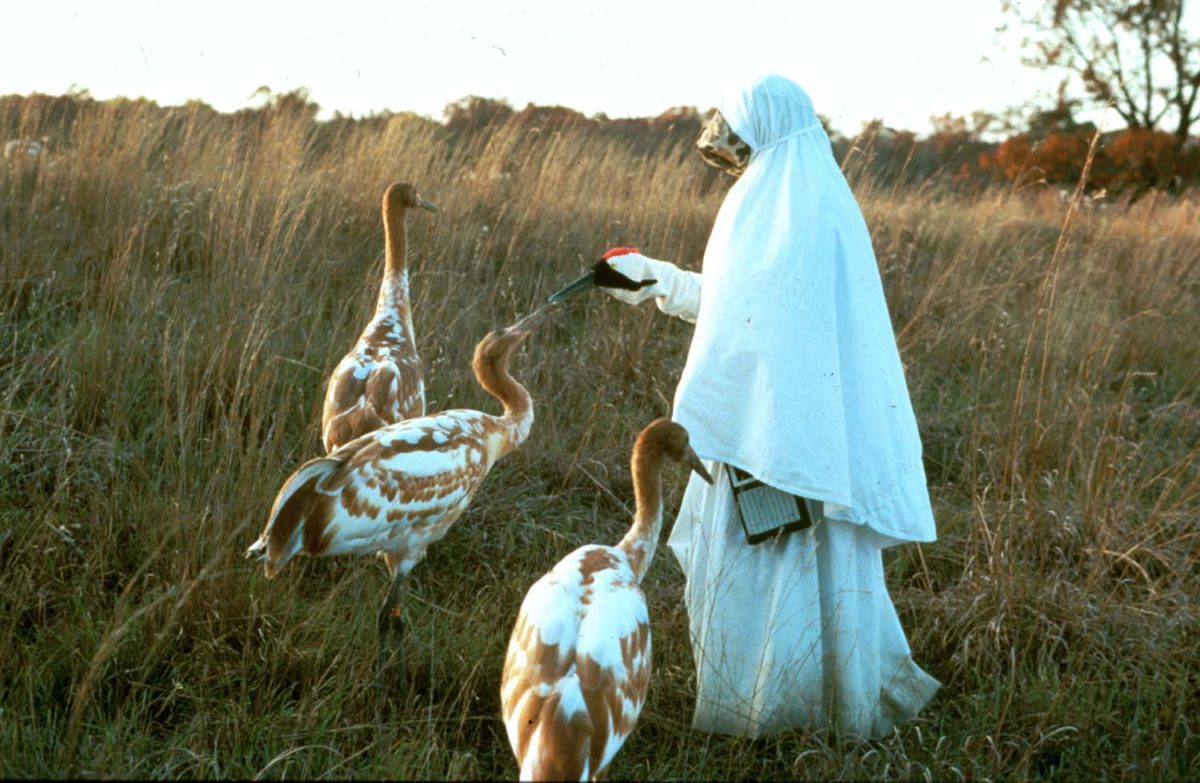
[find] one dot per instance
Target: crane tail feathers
(282, 537)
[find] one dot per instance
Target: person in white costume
(793, 376)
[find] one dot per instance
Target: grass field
(173, 297)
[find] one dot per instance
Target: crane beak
(429, 205)
(585, 283)
(534, 319)
(693, 462)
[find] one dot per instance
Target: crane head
(603, 274)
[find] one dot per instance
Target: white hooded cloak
(793, 375)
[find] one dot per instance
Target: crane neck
(394, 290)
(641, 542)
(517, 418)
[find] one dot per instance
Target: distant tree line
(1126, 163)
(1051, 150)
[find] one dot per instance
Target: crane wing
(397, 489)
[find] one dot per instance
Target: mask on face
(721, 147)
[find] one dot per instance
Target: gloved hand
(676, 291)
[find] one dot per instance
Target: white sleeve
(683, 298)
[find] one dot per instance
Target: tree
(473, 113)
(293, 103)
(1059, 118)
(1135, 161)
(1134, 55)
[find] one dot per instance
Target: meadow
(175, 290)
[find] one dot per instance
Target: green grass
(176, 288)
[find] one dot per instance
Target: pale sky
(902, 61)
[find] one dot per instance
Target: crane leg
(391, 674)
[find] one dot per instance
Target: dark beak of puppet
(601, 275)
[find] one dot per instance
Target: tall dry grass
(173, 295)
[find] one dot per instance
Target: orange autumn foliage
(1058, 158)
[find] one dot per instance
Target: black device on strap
(764, 511)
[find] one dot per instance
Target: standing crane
(380, 382)
(398, 489)
(578, 662)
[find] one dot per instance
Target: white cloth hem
(797, 632)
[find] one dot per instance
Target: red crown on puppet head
(618, 251)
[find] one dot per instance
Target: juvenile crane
(398, 489)
(380, 382)
(578, 662)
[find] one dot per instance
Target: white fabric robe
(797, 632)
(793, 375)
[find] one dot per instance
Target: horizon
(902, 66)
